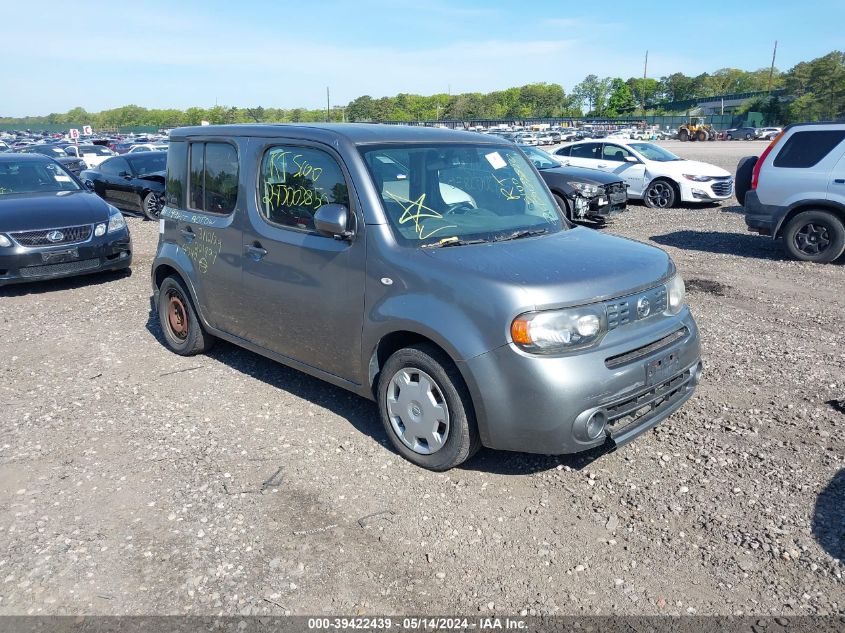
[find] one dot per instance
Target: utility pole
(772, 68)
(328, 107)
(645, 74)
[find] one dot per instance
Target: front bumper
(538, 404)
(19, 264)
(710, 191)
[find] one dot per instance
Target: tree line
(811, 90)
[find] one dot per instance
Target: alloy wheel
(812, 238)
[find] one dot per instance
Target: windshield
(654, 152)
(541, 159)
(437, 194)
(149, 162)
(41, 176)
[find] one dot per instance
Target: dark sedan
(132, 182)
(583, 194)
(71, 163)
(748, 133)
(52, 226)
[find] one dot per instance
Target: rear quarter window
(177, 163)
(807, 149)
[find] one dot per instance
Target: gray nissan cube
(426, 269)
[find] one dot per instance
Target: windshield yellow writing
(510, 188)
(414, 211)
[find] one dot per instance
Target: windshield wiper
(452, 241)
(520, 234)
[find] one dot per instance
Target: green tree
(621, 100)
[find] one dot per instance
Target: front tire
(660, 194)
(815, 236)
(426, 409)
(183, 332)
(729, 137)
(151, 206)
(748, 136)
(563, 205)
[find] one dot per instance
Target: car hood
(692, 167)
(32, 211)
(571, 267)
(582, 174)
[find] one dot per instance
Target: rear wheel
(729, 137)
(182, 330)
(660, 194)
(426, 409)
(815, 236)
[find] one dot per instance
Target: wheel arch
(170, 268)
(808, 205)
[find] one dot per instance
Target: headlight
(698, 178)
(676, 294)
(116, 221)
(100, 229)
(5, 241)
(558, 331)
(585, 189)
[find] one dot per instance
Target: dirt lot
(136, 481)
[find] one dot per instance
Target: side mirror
(332, 219)
(89, 185)
(631, 159)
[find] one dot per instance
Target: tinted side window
(114, 166)
(586, 150)
(295, 182)
(563, 151)
(213, 177)
(177, 162)
(616, 153)
(805, 149)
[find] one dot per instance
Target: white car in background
(148, 147)
(652, 173)
(91, 155)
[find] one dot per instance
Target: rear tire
(815, 236)
(183, 332)
(426, 408)
(728, 137)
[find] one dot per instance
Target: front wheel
(426, 409)
(748, 137)
(563, 205)
(151, 206)
(815, 236)
(183, 332)
(660, 194)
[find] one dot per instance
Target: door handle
(188, 234)
(256, 252)
(839, 181)
(601, 165)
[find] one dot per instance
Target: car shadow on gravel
(723, 244)
(65, 283)
(829, 517)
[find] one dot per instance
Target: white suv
(796, 190)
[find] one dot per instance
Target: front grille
(647, 403)
(624, 310)
(641, 352)
(70, 235)
(723, 187)
(60, 269)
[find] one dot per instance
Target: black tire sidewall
(742, 182)
(563, 205)
(834, 225)
(194, 342)
(462, 441)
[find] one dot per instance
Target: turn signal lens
(519, 332)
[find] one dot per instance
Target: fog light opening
(697, 373)
(596, 424)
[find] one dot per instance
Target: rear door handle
(188, 234)
(839, 181)
(256, 252)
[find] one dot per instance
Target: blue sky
(180, 53)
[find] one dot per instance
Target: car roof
(18, 157)
(355, 133)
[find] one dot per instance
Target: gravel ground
(134, 481)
